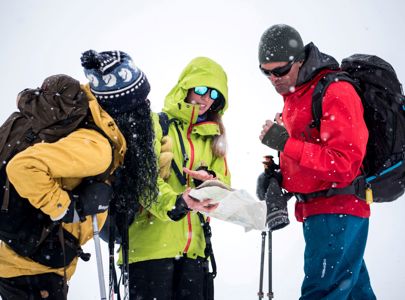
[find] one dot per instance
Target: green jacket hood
(201, 71)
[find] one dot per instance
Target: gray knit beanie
(280, 43)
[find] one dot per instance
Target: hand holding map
(235, 206)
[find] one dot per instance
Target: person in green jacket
(166, 240)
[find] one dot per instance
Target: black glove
(179, 210)
(271, 169)
(115, 223)
(198, 182)
(262, 185)
(276, 137)
(276, 201)
(89, 198)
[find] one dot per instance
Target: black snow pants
(34, 287)
(168, 279)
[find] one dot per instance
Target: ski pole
(125, 252)
(113, 282)
(270, 293)
(260, 293)
(96, 236)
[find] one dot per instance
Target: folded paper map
(235, 206)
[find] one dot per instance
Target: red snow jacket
(315, 160)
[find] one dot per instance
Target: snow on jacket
(318, 160)
(39, 172)
(153, 235)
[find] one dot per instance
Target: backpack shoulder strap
(165, 122)
(209, 253)
(319, 93)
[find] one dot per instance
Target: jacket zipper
(191, 160)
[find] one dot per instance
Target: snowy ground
(41, 38)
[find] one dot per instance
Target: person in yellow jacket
(46, 173)
(166, 240)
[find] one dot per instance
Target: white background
(42, 38)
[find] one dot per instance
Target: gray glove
(276, 201)
(271, 169)
(262, 185)
(88, 199)
(276, 137)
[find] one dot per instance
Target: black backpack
(46, 114)
(377, 84)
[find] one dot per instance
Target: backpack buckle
(300, 197)
(30, 136)
(359, 184)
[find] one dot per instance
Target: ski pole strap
(208, 252)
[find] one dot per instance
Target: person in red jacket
(313, 161)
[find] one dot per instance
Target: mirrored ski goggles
(202, 90)
(280, 71)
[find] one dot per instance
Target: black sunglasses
(280, 71)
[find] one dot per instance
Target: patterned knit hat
(115, 81)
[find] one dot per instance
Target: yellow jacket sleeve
(37, 172)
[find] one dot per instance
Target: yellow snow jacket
(43, 172)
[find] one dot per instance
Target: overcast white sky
(42, 38)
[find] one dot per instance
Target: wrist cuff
(180, 209)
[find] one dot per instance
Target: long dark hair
(137, 178)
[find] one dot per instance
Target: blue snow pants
(333, 260)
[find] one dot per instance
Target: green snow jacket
(153, 235)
